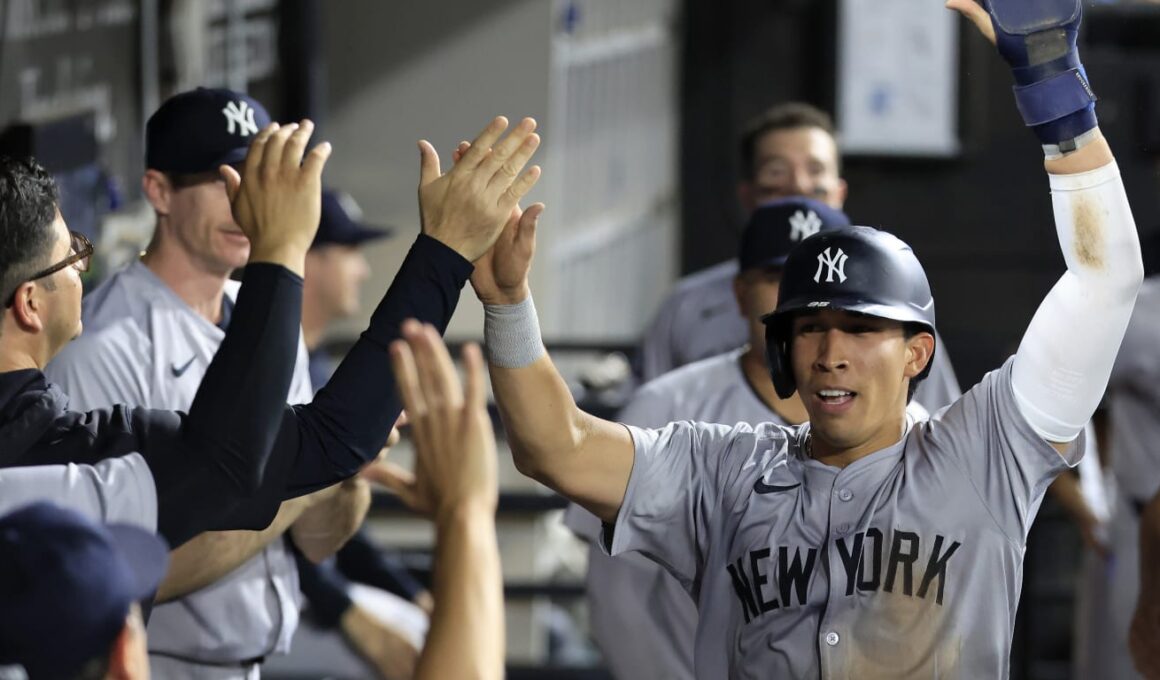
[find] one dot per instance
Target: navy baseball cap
(199, 130)
(66, 584)
(341, 222)
(774, 228)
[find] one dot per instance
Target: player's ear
(157, 189)
(919, 350)
(27, 307)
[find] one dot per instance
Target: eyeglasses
(81, 253)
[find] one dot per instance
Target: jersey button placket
(832, 639)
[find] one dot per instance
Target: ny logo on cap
(835, 264)
(240, 117)
(804, 226)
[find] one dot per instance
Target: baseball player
(789, 150)
(862, 543)
(642, 619)
(240, 443)
(233, 423)
(170, 309)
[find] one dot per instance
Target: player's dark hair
(28, 201)
(780, 117)
(909, 330)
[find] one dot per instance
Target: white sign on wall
(898, 78)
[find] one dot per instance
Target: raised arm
(579, 455)
(344, 428)
(456, 483)
(1066, 356)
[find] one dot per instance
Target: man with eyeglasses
(233, 597)
(130, 461)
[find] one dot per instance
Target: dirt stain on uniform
(1088, 218)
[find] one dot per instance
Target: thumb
(528, 223)
(428, 163)
(395, 479)
(233, 181)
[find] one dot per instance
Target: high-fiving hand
(455, 461)
(277, 199)
(467, 207)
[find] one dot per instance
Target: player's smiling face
(852, 374)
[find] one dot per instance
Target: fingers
(296, 145)
(232, 179)
(510, 155)
(482, 144)
(437, 376)
(528, 223)
(407, 376)
(977, 15)
(428, 163)
(392, 439)
(520, 187)
(316, 160)
(460, 149)
(395, 479)
(276, 146)
(475, 396)
(257, 150)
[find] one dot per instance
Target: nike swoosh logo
(922, 308)
(762, 488)
(179, 371)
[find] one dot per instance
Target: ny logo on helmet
(240, 116)
(804, 226)
(835, 264)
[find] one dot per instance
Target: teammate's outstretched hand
(455, 461)
(467, 207)
(276, 200)
(501, 275)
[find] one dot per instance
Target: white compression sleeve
(1065, 359)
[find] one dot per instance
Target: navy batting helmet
(854, 269)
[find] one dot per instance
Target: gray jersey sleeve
(118, 490)
(673, 494)
(1008, 463)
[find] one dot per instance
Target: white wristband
(511, 334)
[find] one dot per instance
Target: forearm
(222, 448)
(207, 558)
(466, 638)
(554, 442)
(351, 418)
(362, 561)
(1066, 357)
(326, 526)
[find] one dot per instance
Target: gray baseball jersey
(144, 346)
(904, 564)
(700, 319)
(641, 617)
(116, 490)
